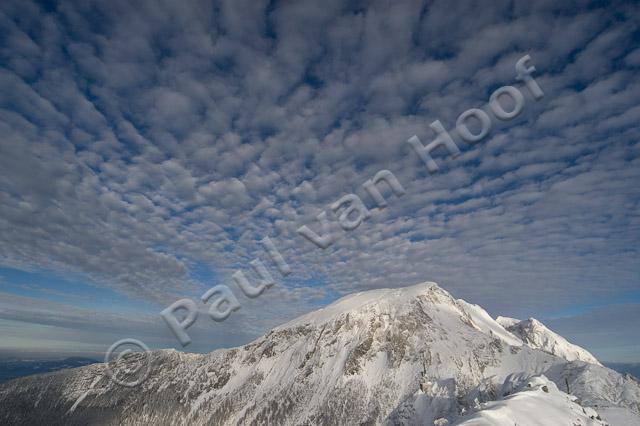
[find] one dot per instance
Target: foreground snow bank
(537, 402)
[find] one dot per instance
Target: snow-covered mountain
(411, 356)
(538, 336)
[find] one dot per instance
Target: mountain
(13, 368)
(538, 336)
(625, 368)
(411, 356)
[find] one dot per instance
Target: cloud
(142, 139)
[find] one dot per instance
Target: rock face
(404, 356)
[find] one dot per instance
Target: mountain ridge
(392, 356)
(536, 335)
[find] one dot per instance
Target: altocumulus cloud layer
(144, 141)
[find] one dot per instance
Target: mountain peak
(412, 355)
(384, 300)
(538, 336)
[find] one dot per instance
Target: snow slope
(536, 335)
(537, 403)
(410, 356)
(612, 393)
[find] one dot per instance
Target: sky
(147, 147)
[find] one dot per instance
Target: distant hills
(13, 368)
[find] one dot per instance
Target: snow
(84, 395)
(597, 385)
(487, 325)
(536, 335)
(507, 322)
(373, 300)
(538, 403)
(618, 416)
(404, 356)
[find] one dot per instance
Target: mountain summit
(537, 335)
(409, 356)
